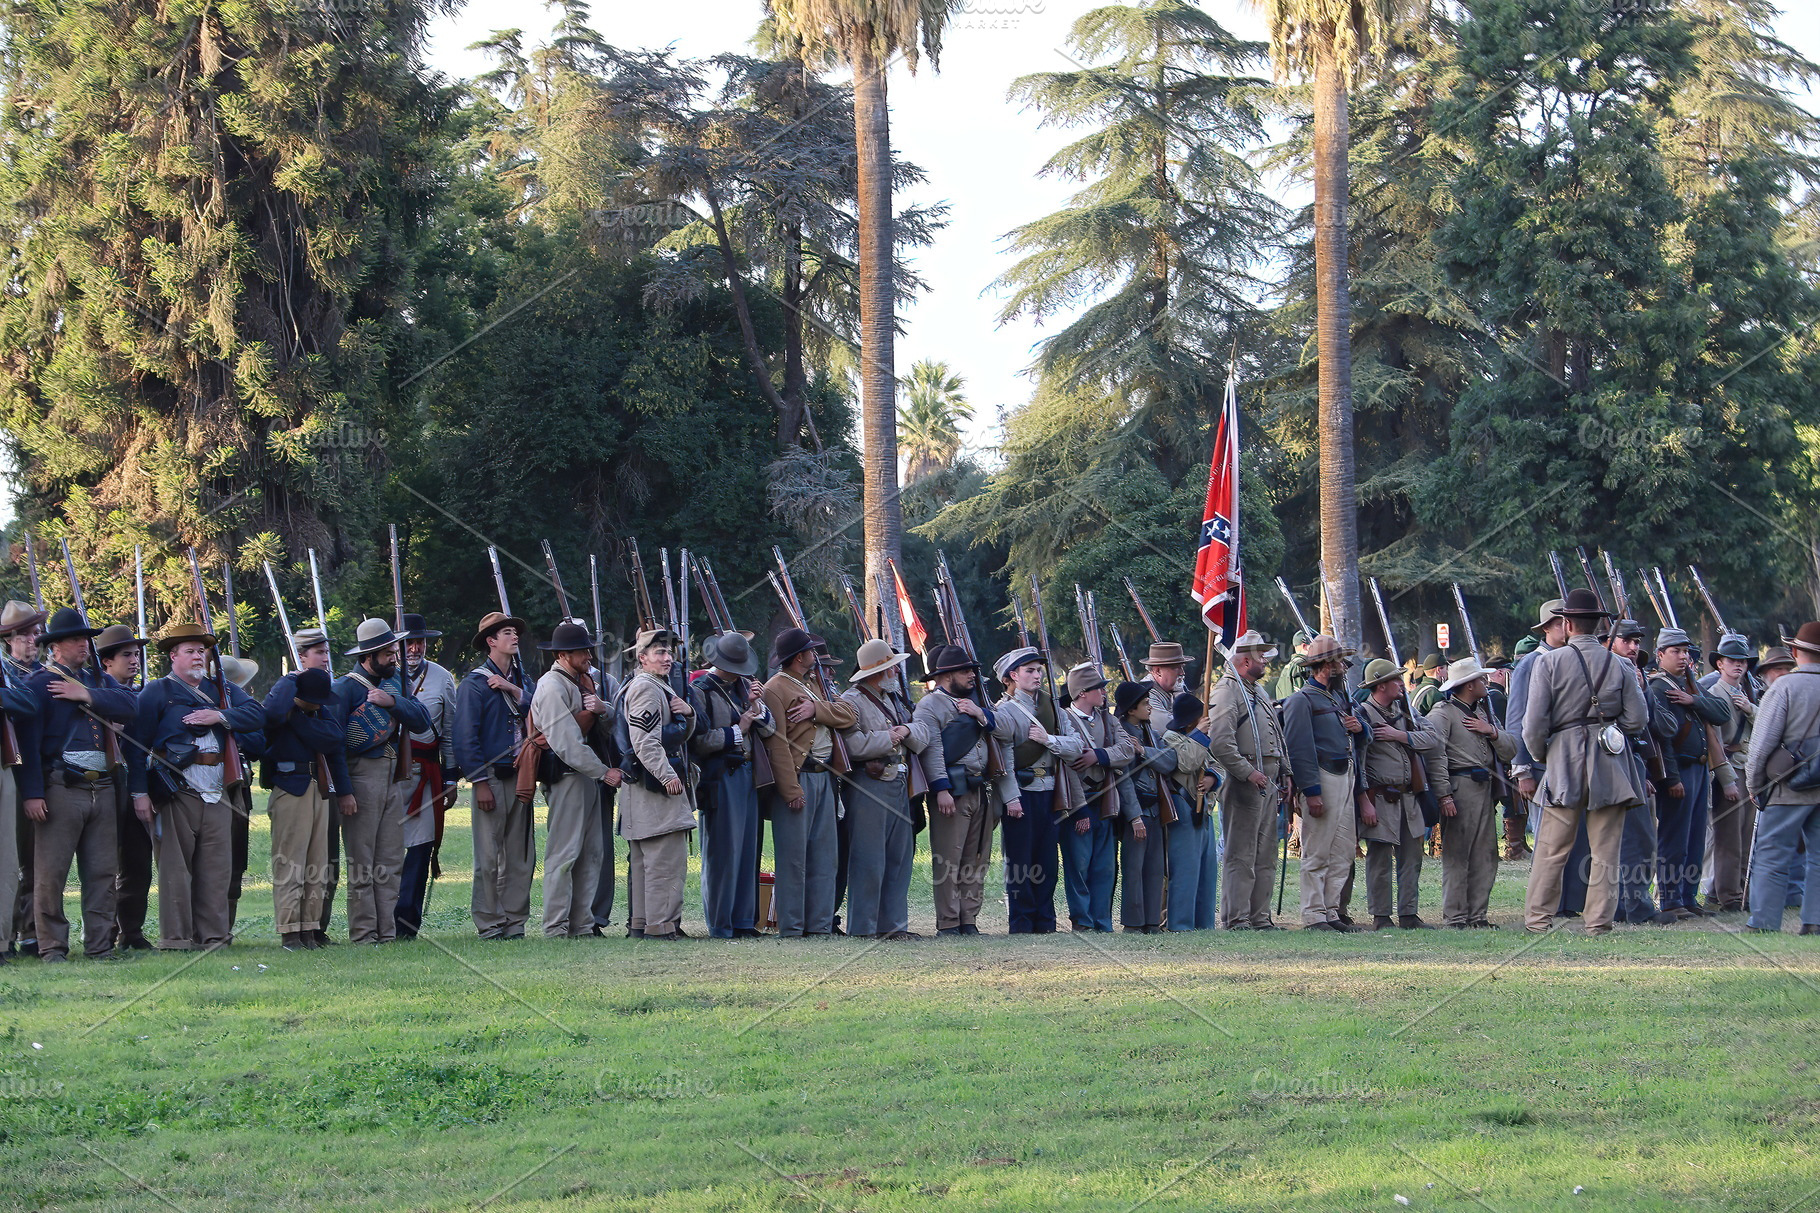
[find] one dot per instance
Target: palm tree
(866, 35)
(1331, 41)
(929, 422)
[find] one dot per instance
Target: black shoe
(1482, 925)
(1809, 928)
(1704, 911)
(54, 958)
(1381, 922)
(1413, 922)
(1458, 926)
(1269, 926)
(746, 933)
(837, 931)
(293, 941)
(1348, 928)
(596, 932)
(1346, 921)
(1664, 918)
(1238, 926)
(968, 928)
(1569, 914)
(137, 943)
(635, 932)
(28, 947)
(899, 936)
(1321, 926)
(322, 939)
(949, 931)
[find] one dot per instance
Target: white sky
(980, 152)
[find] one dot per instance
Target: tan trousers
(1469, 855)
(505, 856)
(300, 858)
(655, 871)
(1733, 826)
(1554, 839)
(1249, 817)
(1329, 843)
(79, 826)
(571, 864)
(373, 839)
(960, 850)
(9, 852)
(195, 866)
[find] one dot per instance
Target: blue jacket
(19, 702)
(159, 728)
(1314, 736)
(295, 737)
(485, 727)
(375, 721)
(58, 719)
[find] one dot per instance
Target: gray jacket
(1561, 727)
(1787, 716)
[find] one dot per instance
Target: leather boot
(1516, 845)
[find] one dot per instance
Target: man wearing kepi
(1042, 741)
(882, 743)
(1784, 740)
(1583, 702)
(179, 770)
(1390, 819)
(804, 799)
(307, 769)
(67, 791)
(492, 706)
(568, 713)
(733, 722)
(1679, 718)
(1462, 772)
(655, 814)
(954, 762)
(1090, 868)
(1326, 743)
(1734, 814)
(380, 717)
(432, 772)
(1246, 740)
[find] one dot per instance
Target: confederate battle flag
(1217, 585)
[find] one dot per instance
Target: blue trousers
(1090, 870)
(1681, 837)
(1774, 864)
(1032, 862)
(1637, 866)
(1194, 871)
(413, 887)
(1573, 876)
(729, 852)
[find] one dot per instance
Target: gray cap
(1669, 637)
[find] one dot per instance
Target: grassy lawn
(1654, 1069)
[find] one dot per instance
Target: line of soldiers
(1099, 795)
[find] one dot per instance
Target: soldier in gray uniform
(732, 724)
(1390, 820)
(882, 743)
(1462, 770)
(1246, 740)
(1326, 743)
(1734, 813)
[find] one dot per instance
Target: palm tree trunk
(1333, 335)
(877, 321)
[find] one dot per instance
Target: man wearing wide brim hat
(1788, 719)
(66, 787)
(19, 625)
(1734, 814)
(1680, 715)
(1775, 662)
(380, 715)
(959, 730)
(1044, 743)
(569, 720)
(122, 656)
(806, 767)
(1246, 740)
(492, 706)
(433, 775)
(728, 745)
(882, 743)
(1583, 703)
(1462, 771)
(1326, 743)
(1394, 828)
(1166, 670)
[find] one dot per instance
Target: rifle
(1090, 635)
(31, 564)
(284, 621)
(918, 782)
(1715, 748)
(232, 773)
(322, 615)
(562, 598)
(641, 591)
(1390, 640)
(1655, 603)
(1320, 567)
(1165, 803)
(1592, 583)
(793, 607)
(1620, 599)
(682, 609)
(600, 642)
(1142, 613)
(108, 731)
(1554, 563)
(1472, 641)
(227, 593)
(1706, 596)
(505, 608)
(139, 594)
(1072, 790)
(405, 765)
(1294, 608)
(663, 561)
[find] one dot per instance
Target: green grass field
(1654, 1069)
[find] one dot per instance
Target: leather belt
(207, 760)
(814, 766)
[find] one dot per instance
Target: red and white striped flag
(1218, 586)
(914, 631)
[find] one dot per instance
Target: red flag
(913, 627)
(1218, 586)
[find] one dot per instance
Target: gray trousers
(605, 881)
(880, 856)
(195, 866)
(805, 850)
(374, 841)
(1469, 855)
(656, 869)
(505, 855)
(1249, 816)
(1143, 869)
(1405, 856)
(571, 862)
(730, 836)
(10, 814)
(79, 825)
